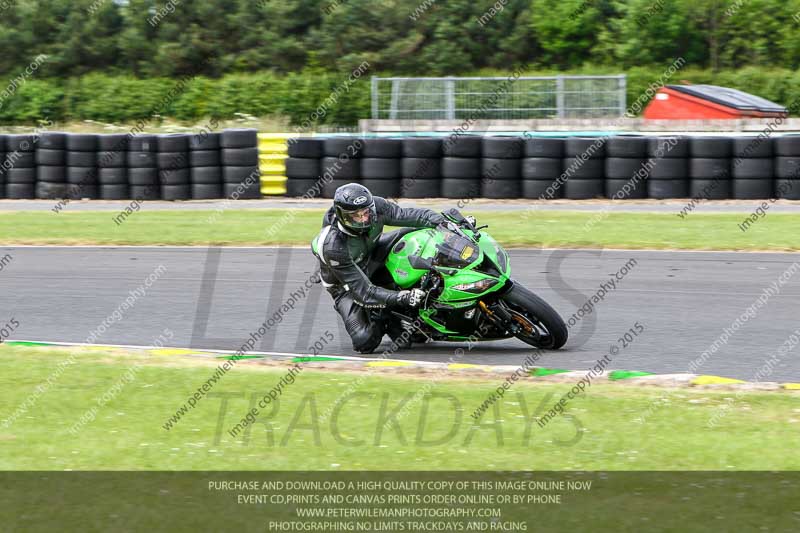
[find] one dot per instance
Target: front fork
(499, 315)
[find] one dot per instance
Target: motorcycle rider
(352, 247)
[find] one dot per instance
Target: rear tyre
(543, 327)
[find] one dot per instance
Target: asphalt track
(214, 298)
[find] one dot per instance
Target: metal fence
(526, 97)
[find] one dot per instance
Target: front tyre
(541, 325)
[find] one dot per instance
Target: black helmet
(355, 208)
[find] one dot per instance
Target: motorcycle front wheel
(541, 325)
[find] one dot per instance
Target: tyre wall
(616, 167)
(208, 165)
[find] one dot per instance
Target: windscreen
(456, 252)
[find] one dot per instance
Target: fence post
(450, 99)
(560, 96)
(395, 98)
(623, 95)
(374, 92)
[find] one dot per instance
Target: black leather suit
(348, 261)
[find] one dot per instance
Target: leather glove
(411, 298)
(450, 225)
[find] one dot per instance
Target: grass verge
(512, 228)
(126, 428)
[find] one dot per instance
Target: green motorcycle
(471, 295)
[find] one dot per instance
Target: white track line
(215, 350)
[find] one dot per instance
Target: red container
(688, 102)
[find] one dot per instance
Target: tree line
(148, 38)
(110, 59)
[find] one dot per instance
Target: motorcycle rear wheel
(542, 326)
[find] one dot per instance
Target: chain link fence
(527, 97)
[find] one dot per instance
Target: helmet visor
(361, 218)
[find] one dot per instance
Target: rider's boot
(399, 333)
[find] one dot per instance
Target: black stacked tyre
(710, 168)
(787, 167)
(205, 166)
(51, 170)
(112, 171)
(142, 160)
(668, 167)
(381, 166)
(461, 166)
(421, 167)
(541, 167)
(303, 168)
(501, 167)
(341, 163)
(3, 168)
(584, 167)
(20, 167)
(173, 166)
(241, 177)
(81, 162)
(752, 168)
(626, 167)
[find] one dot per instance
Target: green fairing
(465, 276)
(423, 244)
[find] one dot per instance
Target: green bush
(307, 99)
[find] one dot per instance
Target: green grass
(758, 433)
(281, 226)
